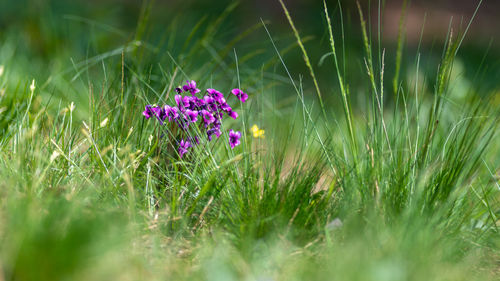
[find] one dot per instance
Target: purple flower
(218, 96)
(179, 101)
(208, 100)
(240, 95)
(192, 115)
(189, 108)
(189, 102)
(207, 117)
(234, 138)
(148, 112)
(233, 114)
(212, 107)
(213, 131)
(191, 87)
(225, 107)
(183, 147)
(161, 115)
(217, 123)
(156, 111)
(171, 112)
(198, 102)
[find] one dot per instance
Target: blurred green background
(73, 47)
(80, 29)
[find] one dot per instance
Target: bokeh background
(80, 29)
(53, 223)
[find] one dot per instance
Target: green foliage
(400, 189)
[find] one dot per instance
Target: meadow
(157, 141)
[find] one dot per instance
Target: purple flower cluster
(189, 109)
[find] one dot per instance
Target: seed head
(32, 86)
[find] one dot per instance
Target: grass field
(371, 160)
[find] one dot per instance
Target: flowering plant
(207, 112)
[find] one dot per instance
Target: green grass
(399, 188)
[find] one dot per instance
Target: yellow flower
(256, 132)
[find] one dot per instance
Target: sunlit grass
(399, 188)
